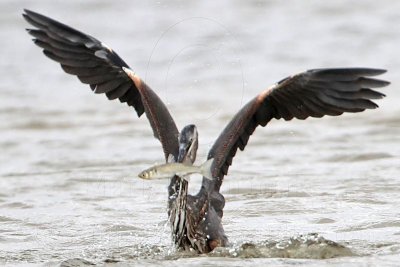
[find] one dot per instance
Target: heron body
(196, 219)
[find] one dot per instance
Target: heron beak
(184, 149)
(188, 141)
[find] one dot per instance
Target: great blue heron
(196, 219)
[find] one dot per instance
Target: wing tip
(31, 17)
(26, 17)
(29, 13)
(380, 71)
(385, 83)
(373, 71)
(373, 105)
(362, 71)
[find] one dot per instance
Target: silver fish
(182, 170)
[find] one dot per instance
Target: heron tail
(206, 169)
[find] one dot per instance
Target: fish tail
(206, 168)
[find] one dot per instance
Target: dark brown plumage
(196, 220)
(314, 93)
(96, 64)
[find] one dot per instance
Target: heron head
(188, 144)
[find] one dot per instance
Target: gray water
(320, 192)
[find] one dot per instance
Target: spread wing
(96, 64)
(314, 93)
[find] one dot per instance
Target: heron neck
(177, 204)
